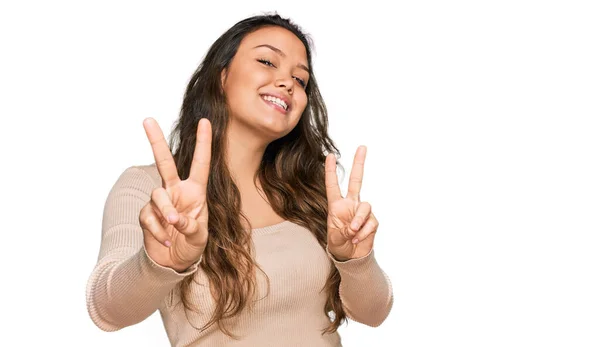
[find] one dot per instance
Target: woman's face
(264, 83)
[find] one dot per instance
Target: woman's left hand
(351, 226)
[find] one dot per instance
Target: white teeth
(276, 101)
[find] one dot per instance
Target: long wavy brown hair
(291, 174)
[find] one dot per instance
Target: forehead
(278, 37)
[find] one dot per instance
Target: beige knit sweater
(127, 286)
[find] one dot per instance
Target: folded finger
(361, 215)
(190, 227)
(186, 225)
(151, 224)
(369, 228)
(161, 199)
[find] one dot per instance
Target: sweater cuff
(164, 272)
(353, 265)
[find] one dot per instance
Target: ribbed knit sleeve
(365, 290)
(126, 285)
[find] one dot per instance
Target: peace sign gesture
(351, 226)
(175, 220)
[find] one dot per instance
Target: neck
(244, 155)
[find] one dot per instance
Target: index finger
(331, 180)
(162, 153)
(356, 175)
(200, 167)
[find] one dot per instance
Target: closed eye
(301, 81)
(268, 63)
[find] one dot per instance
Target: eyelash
(267, 62)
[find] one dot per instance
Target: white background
(481, 121)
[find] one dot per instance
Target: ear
(223, 78)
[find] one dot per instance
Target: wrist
(185, 267)
(181, 269)
(337, 257)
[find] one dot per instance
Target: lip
(280, 96)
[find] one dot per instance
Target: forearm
(365, 290)
(124, 292)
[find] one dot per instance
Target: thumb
(193, 231)
(337, 238)
(185, 225)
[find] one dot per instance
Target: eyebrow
(280, 52)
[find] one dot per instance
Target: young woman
(238, 233)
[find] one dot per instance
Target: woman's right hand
(175, 220)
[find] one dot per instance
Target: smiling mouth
(277, 102)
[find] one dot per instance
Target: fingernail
(355, 241)
(172, 218)
(168, 243)
(355, 226)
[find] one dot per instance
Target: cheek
(246, 80)
(301, 101)
(255, 78)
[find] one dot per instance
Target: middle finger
(200, 167)
(162, 154)
(356, 175)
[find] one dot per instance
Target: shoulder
(142, 177)
(151, 171)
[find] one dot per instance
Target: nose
(286, 83)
